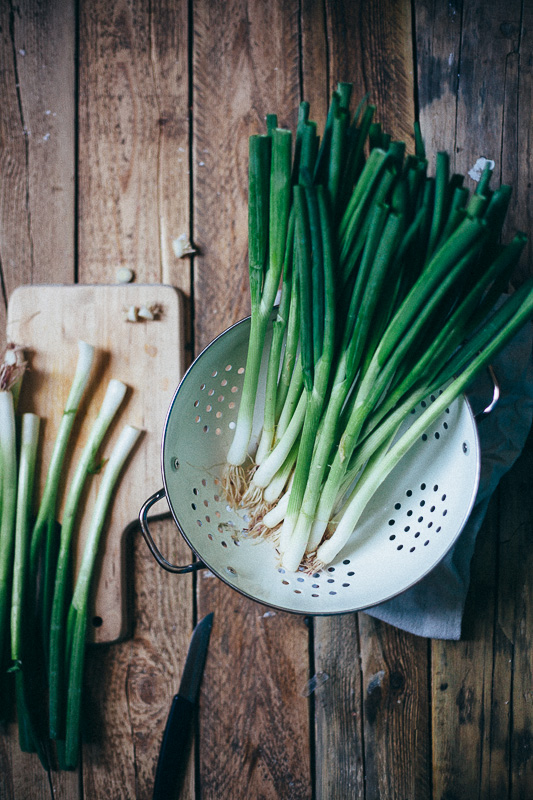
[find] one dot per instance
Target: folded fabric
(434, 607)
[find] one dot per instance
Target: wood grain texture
(338, 709)
(517, 145)
(513, 668)
(169, 59)
(472, 109)
(438, 53)
(37, 143)
(245, 67)
(396, 721)
(462, 685)
(119, 144)
(482, 82)
(253, 730)
(316, 81)
(126, 712)
(370, 44)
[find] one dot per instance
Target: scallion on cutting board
(391, 277)
(45, 536)
(113, 398)
(76, 629)
(12, 369)
(44, 675)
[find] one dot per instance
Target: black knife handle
(173, 755)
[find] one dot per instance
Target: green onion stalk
(522, 305)
(22, 645)
(316, 265)
(76, 633)
(442, 348)
(44, 542)
(113, 398)
(412, 267)
(268, 216)
(387, 229)
(11, 371)
(291, 399)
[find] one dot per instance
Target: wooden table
(124, 125)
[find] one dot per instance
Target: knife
(173, 755)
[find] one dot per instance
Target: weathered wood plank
(316, 82)
(133, 201)
(37, 222)
(119, 144)
(461, 688)
(254, 730)
(395, 697)
(129, 686)
(482, 82)
(513, 670)
(254, 735)
(245, 66)
(169, 58)
(370, 44)
(37, 143)
(338, 709)
(517, 145)
(470, 105)
(438, 52)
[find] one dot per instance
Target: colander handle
(148, 538)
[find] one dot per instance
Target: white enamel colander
(409, 526)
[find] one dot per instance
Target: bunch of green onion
(389, 281)
(43, 610)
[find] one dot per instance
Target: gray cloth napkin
(434, 607)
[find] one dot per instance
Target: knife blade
(173, 755)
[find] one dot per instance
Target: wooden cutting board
(48, 320)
